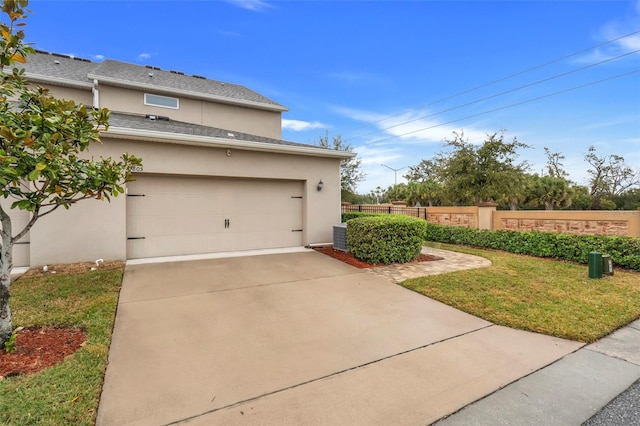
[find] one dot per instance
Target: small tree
(41, 144)
(487, 172)
(350, 173)
(610, 176)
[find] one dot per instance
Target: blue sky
(393, 78)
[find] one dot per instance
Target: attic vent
(148, 66)
(41, 51)
(176, 72)
(57, 62)
(199, 76)
(231, 135)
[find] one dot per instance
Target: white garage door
(169, 215)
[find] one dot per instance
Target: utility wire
(544, 80)
(499, 80)
(508, 106)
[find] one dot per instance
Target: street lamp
(395, 172)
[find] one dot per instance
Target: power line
(498, 80)
(544, 80)
(509, 106)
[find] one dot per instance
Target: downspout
(96, 94)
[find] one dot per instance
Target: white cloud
(300, 126)
(98, 57)
(145, 55)
(253, 5)
(612, 30)
(357, 77)
(411, 127)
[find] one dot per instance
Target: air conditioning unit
(340, 237)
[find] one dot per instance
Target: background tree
(41, 144)
(350, 173)
(399, 192)
(425, 186)
(377, 195)
(609, 177)
(550, 192)
(554, 166)
(487, 172)
(554, 190)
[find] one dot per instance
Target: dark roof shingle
(75, 70)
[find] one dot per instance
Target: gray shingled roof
(140, 122)
(135, 75)
(66, 68)
(61, 67)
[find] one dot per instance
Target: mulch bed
(351, 260)
(39, 348)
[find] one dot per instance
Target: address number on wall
(136, 169)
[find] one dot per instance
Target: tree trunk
(6, 264)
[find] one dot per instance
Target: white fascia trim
(184, 139)
(188, 93)
(57, 81)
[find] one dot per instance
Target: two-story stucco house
(216, 175)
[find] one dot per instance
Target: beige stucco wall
(224, 116)
(453, 216)
(89, 230)
(95, 229)
(83, 96)
(621, 223)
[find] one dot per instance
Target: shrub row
(624, 251)
(353, 215)
(386, 238)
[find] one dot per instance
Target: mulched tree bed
(351, 260)
(39, 348)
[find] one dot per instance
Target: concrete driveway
(299, 338)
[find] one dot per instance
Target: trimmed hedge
(386, 238)
(624, 251)
(352, 215)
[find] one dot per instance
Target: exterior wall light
(320, 185)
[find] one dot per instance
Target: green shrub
(624, 251)
(386, 238)
(352, 215)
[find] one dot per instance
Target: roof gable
(67, 70)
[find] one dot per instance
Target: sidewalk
(578, 388)
(569, 391)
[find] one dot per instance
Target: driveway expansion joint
(337, 373)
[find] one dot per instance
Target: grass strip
(545, 296)
(67, 393)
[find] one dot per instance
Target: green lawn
(68, 393)
(545, 296)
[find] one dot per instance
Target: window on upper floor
(161, 101)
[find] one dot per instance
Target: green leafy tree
(550, 192)
(609, 177)
(424, 183)
(487, 172)
(399, 192)
(42, 140)
(628, 200)
(554, 190)
(350, 173)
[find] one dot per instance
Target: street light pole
(395, 172)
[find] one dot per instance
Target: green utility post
(595, 265)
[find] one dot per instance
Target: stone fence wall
(485, 216)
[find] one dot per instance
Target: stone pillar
(485, 215)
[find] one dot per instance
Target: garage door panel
(177, 215)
